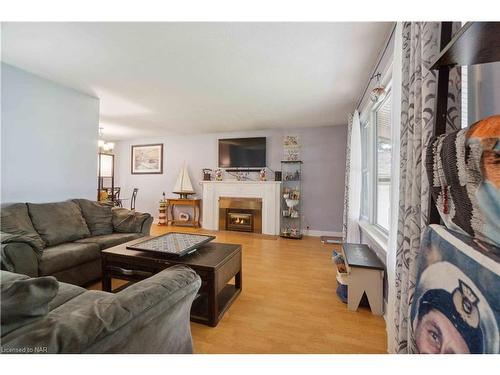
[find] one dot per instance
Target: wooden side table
(195, 203)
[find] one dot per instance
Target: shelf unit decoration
(474, 43)
(291, 199)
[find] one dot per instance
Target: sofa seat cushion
(24, 299)
(98, 216)
(16, 222)
(109, 240)
(67, 255)
(66, 293)
(58, 222)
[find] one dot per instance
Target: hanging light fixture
(103, 145)
(378, 93)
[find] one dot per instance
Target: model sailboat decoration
(183, 185)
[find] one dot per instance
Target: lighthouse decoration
(162, 217)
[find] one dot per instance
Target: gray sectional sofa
(65, 239)
(49, 249)
(42, 315)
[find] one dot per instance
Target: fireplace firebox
(241, 220)
(240, 214)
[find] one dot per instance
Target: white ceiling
(162, 78)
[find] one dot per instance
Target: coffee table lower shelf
(200, 308)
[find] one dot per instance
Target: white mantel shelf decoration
(268, 191)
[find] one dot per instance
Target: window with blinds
(376, 163)
(365, 171)
(382, 117)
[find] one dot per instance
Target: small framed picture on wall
(147, 159)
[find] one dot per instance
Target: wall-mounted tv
(242, 153)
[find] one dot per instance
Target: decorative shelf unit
(291, 200)
(475, 43)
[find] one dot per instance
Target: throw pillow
(127, 221)
(15, 220)
(58, 222)
(98, 216)
(462, 168)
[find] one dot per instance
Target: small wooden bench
(366, 275)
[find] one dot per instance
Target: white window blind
(383, 162)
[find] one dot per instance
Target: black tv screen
(242, 153)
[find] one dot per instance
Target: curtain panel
(346, 178)
(420, 48)
(352, 193)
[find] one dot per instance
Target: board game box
(174, 244)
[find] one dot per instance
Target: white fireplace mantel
(268, 191)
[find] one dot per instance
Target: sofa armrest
(128, 221)
(146, 226)
(153, 315)
(170, 285)
(19, 257)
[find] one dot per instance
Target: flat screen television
(242, 153)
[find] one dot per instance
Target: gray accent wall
(49, 140)
(323, 152)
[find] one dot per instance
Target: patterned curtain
(347, 172)
(352, 194)
(420, 42)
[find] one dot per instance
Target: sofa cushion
(82, 274)
(98, 216)
(67, 255)
(127, 221)
(109, 240)
(66, 293)
(58, 222)
(16, 221)
(24, 299)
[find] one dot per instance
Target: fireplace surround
(267, 191)
(240, 214)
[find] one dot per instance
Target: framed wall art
(147, 159)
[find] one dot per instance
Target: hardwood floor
(288, 303)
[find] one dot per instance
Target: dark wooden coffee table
(216, 263)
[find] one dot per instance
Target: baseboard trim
(306, 232)
(319, 233)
